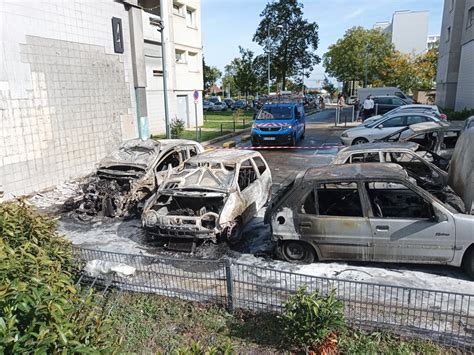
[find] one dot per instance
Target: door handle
(382, 228)
(306, 224)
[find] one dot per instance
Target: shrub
(238, 114)
(41, 310)
(308, 319)
(458, 115)
(177, 127)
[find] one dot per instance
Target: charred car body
(368, 212)
(211, 198)
(129, 175)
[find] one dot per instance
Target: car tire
(304, 132)
(468, 262)
(254, 143)
(293, 141)
(359, 140)
(234, 233)
(297, 252)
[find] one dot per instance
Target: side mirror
(439, 216)
(380, 126)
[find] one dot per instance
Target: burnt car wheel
(234, 233)
(297, 252)
(468, 262)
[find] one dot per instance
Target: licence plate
(269, 138)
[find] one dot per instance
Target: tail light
(443, 116)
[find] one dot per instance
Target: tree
(243, 71)
(329, 87)
(346, 59)
(426, 65)
(291, 40)
(210, 75)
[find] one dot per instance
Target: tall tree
(210, 75)
(244, 75)
(290, 39)
(426, 65)
(346, 59)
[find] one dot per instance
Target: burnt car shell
(129, 175)
(212, 197)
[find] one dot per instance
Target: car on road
(211, 197)
(419, 164)
(279, 123)
(367, 212)
(219, 106)
(437, 137)
(384, 104)
(362, 93)
(412, 107)
(214, 99)
(129, 175)
(368, 132)
(207, 105)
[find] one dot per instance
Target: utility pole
(268, 57)
(163, 14)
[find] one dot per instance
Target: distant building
(214, 90)
(455, 76)
(433, 41)
(408, 31)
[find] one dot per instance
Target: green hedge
(41, 309)
(458, 115)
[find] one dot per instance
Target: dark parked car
(239, 104)
(387, 103)
(229, 102)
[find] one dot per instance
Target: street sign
(196, 96)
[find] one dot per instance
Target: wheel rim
(359, 141)
(294, 251)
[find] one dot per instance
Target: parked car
(211, 197)
(368, 212)
(229, 103)
(129, 175)
(207, 105)
(368, 132)
(279, 123)
(219, 106)
(384, 104)
(362, 93)
(420, 165)
(436, 137)
(240, 104)
(433, 109)
(214, 99)
(468, 123)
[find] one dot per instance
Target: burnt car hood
(134, 153)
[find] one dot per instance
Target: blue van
(279, 123)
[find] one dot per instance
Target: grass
(226, 116)
(149, 324)
(205, 135)
(228, 124)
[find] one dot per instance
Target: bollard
(376, 109)
(353, 113)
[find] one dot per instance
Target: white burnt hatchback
(211, 198)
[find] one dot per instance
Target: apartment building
(79, 77)
(455, 75)
(408, 31)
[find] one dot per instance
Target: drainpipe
(139, 72)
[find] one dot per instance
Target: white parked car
(211, 198)
(411, 107)
(368, 132)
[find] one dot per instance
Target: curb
(225, 137)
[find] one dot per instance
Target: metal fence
(444, 317)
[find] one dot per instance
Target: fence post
(221, 129)
(345, 119)
(200, 134)
(353, 113)
(376, 109)
(234, 125)
(230, 285)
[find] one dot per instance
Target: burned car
(129, 175)
(368, 212)
(420, 164)
(437, 137)
(211, 197)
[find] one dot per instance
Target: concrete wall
(465, 87)
(66, 99)
(449, 53)
(410, 31)
(183, 78)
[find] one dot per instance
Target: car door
(250, 187)
(388, 126)
(331, 216)
(264, 181)
(407, 226)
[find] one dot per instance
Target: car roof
(355, 172)
(169, 143)
(380, 146)
(433, 126)
(224, 156)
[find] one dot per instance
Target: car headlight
(289, 126)
(254, 125)
(150, 218)
(344, 135)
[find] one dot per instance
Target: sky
(226, 24)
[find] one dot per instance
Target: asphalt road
(320, 132)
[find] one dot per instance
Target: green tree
(291, 40)
(426, 65)
(243, 69)
(346, 59)
(329, 87)
(210, 75)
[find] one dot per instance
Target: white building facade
(70, 84)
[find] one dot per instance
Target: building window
(190, 17)
(470, 17)
(180, 56)
(178, 9)
(448, 33)
(193, 61)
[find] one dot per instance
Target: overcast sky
(226, 24)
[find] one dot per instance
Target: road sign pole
(196, 117)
